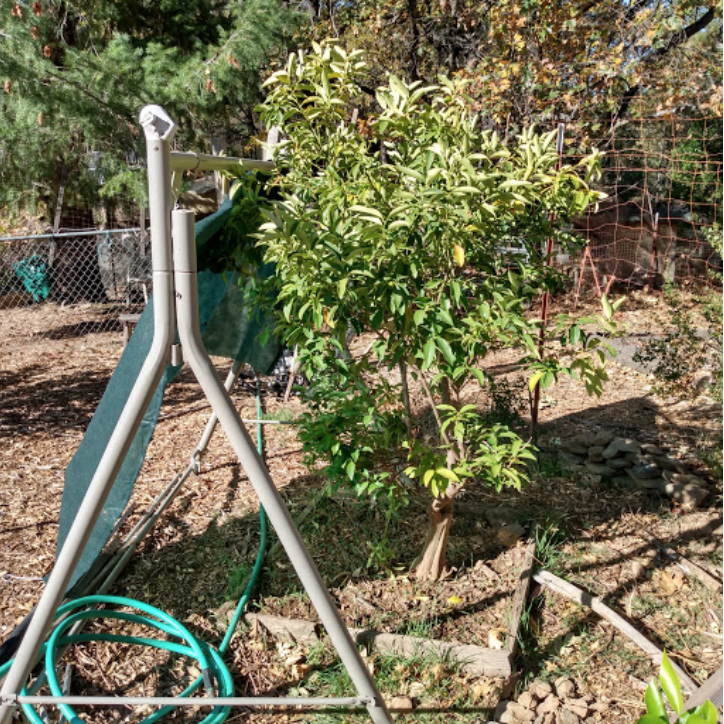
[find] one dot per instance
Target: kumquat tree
(396, 227)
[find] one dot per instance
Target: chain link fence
(108, 272)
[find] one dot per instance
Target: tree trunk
(432, 562)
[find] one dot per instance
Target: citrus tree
(394, 227)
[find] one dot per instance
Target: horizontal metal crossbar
(68, 234)
(210, 701)
(185, 161)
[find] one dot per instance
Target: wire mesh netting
(661, 220)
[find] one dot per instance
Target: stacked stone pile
(627, 462)
(552, 703)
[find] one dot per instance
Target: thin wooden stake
(519, 598)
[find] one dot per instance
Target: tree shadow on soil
(32, 404)
(35, 400)
(195, 575)
(83, 329)
(353, 525)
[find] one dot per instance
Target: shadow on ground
(194, 576)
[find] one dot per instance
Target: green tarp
(228, 330)
(34, 273)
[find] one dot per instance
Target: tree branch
(415, 45)
(676, 40)
(681, 37)
(433, 406)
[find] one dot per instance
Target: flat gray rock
(642, 471)
(620, 446)
(600, 469)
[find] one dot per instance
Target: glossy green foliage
(668, 689)
(425, 230)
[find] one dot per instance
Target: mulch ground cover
(194, 563)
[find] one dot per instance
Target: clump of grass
(426, 677)
(549, 536)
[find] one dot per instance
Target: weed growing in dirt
(431, 681)
(549, 537)
(551, 466)
(283, 414)
(238, 576)
(420, 628)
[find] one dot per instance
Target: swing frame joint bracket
(176, 355)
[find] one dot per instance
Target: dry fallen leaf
(495, 638)
(482, 690)
(417, 689)
(669, 581)
(400, 703)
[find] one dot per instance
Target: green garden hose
(214, 673)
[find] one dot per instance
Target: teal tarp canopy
(228, 330)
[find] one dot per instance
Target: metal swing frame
(176, 310)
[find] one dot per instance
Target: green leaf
(341, 287)
(607, 308)
(707, 711)
(432, 174)
(693, 719)
(405, 171)
(513, 183)
(654, 701)
(427, 477)
(535, 378)
(444, 346)
(651, 719)
(357, 208)
(447, 473)
(428, 353)
(421, 92)
(446, 317)
(398, 86)
(670, 684)
(377, 318)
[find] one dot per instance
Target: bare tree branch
(676, 40)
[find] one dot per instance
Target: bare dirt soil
(53, 370)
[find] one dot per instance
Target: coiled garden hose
(215, 676)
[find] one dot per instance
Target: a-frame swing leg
(159, 132)
(197, 358)
(126, 427)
